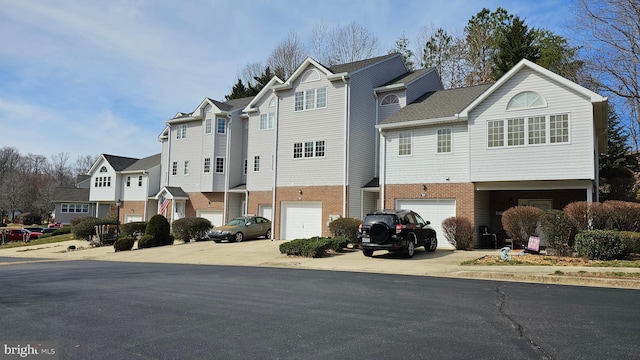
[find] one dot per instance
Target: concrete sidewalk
(442, 263)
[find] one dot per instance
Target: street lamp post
(118, 203)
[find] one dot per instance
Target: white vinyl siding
(571, 156)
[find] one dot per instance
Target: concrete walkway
(442, 263)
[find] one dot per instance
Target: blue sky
(86, 77)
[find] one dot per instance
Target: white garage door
(132, 218)
(301, 220)
(214, 216)
(433, 210)
(265, 211)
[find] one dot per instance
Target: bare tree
(250, 72)
(610, 32)
(350, 43)
(61, 170)
(287, 56)
(83, 164)
(319, 43)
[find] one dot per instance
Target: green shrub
(160, 229)
(520, 222)
(75, 221)
(555, 231)
(459, 232)
(345, 228)
(134, 227)
(124, 243)
(86, 228)
(600, 245)
(62, 231)
(146, 241)
(196, 228)
(313, 247)
(631, 241)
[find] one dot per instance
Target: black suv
(395, 230)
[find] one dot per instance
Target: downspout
(226, 171)
(166, 178)
(377, 145)
(383, 167)
(346, 144)
(274, 161)
(146, 198)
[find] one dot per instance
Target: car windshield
(372, 219)
(236, 222)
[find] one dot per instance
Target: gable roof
(63, 194)
(175, 192)
(360, 64)
(403, 80)
(265, 90)
(435, 106)
(144, 164)
(118, 163)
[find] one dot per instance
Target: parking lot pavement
(445, 263)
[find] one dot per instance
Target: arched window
(310, 75)
(272, 102)
(390, 99)
(526, 100)
(103, 169)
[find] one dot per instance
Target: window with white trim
(256, 163)
(221, 125)
(390, 99)
(272, 102)
(74, 208)
(102, 181)
(207, 165)
(309, 149)
(139, 180)
(174, 168)
(128, 181)
(404, 143)
(310, 99)
(267, 121)
(532, 130)
(208, 128)
(246, 164)
(526, 100)
(186, 167)
(219, 165)
(181, 131)
(310, 75)
(444, 141)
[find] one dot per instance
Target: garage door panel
(214, 216)
(433, 210)
(301, 220)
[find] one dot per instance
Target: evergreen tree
(402, 47)
(516, 42)
(618, 164)
(238, 91)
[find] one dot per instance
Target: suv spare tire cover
(379, 233)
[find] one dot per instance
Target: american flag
(164, 203)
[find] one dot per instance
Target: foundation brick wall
(132, 208)
(200, 201)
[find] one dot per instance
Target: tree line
(28, 182)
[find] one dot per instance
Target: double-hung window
(181, 131)
(208, 127)
(444, 141)
(207, 165)
(309, 149)
(128, 181)
(139, 180)
(267, 121)
(174, 168)
(186, 167)
(219, 165)
(559, 128)
(515, 132)
(537, 130)
(221, 125)
(256, 163)
(310, 99)
(404, 143)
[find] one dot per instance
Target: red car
(22, 235)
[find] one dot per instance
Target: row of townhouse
(344, 140)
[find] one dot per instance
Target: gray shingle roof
(356, 65)
(408, 77)
(177, 192)
(238, 103)
(437, 104)
(145, 163)
(71, 195)
(119, 163)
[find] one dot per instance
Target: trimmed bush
(622, 215)
(124, 243)
(631, 241)
(555, 230)
(146, 241)
(345, 228)
(196, 228)
(132, 228)
(520, 222)
(313, 247)
(75, 221)
(62, 231)
(459, 232)
(600, 245)
(585, 216)
(159, 228)
(85, 229)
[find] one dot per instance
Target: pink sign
(534, 243)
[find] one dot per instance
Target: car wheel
(411, 246)
(367, 252)
(431, 245)
(238, 237)
(268, 234)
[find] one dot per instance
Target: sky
(90, 77)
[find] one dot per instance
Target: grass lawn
(40, 241)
